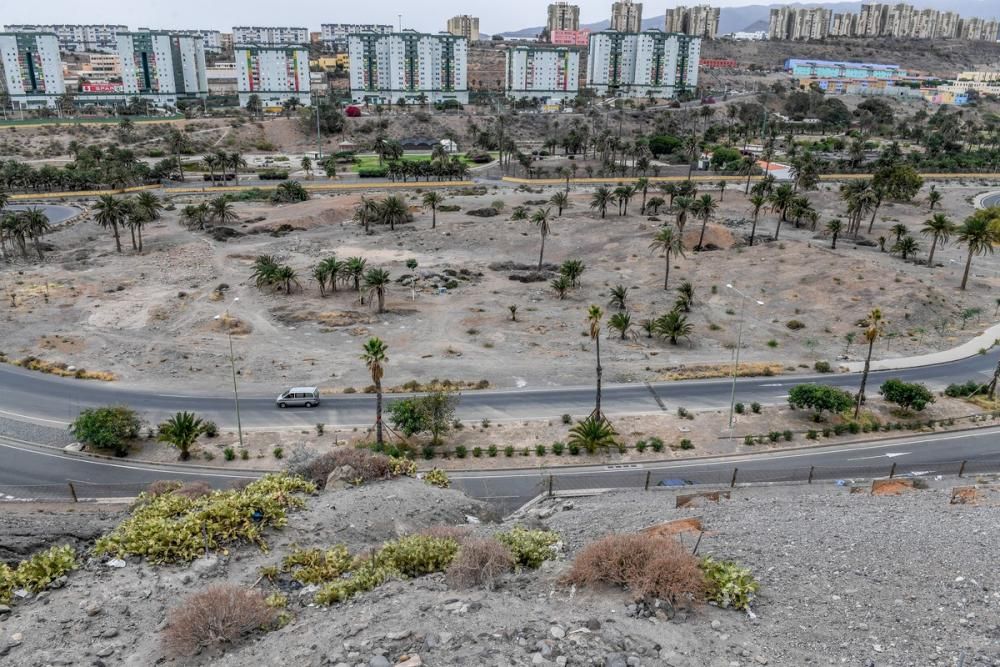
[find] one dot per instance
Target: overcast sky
(425, 15)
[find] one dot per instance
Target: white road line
(30, 418)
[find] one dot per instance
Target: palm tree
(781, 200)
(541, 218)
(289, 191)
(381, 148)
(673, 325)
(111, 212)
(703, 208)
(685, 297)
(320, 276)
(236, 161)
(601, 199)
(366, 212)
(906, 246)
(655, 204)
(393, 210)
(519, 213)
(670, 243)
(355, 268)
(594, 315)
(933, 198)
(682, 208)
(876, 327)
(329, 268)
(307, 165)
(573, 269)
(642, 185)
(377, 281)
(196, 215)
(979, 233)
(835, 227)
(35, 222)
(287, 275)
(591, 434)
(375, 357)
(177, 141)
(182, 431)
(747, 164)
(940, 229)
(212, 161)
(560, 200)
(222, 210)
(625, 194)
(622, 323)
(433, 199)
(619, 295)
(899, 230)
(265, 271)
(670, 190)
(757, 202)
(149, 205)
(691, 148)
(561, 285)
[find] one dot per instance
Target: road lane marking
(30, 418)
(890, 455)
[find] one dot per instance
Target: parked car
(307, 397)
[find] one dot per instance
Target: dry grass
(194, 490)
(708, 371)
(647, 565)
(368, 466)
(480, 562)
(221, 614)
(163, 486)
(230, 324)
(61, 369)
(458, 533)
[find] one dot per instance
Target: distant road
(57, 214)
(991, 200)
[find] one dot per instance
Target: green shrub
(110, 427)
(417, 555)
(567, 419)
(373, 172)
(530, 548)
(739, 408)
(640, 446)
(827, 432)
(729, 585)
(428, 452)
(773, 436)
(748, 440)
(438, 478)
(477, 452)
(314, 566)
(169, 528)
(229, 453)
(686, 444)
(540, 449)
(574, 449)
(822, 367)
(755, 408)
(683, 413)
(244, 454)
(558, 448)
(839, 429)
(491, 450)
(656, 443)
(210, 428)
(854, 428)
(965, 389)
(819, 398)
(461, 451)
(908, 396)
(787, 435)
(812, 435)
(508, 451)
(279, 452)
(37, 572)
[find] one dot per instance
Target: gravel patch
(29, 432)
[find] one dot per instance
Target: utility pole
(319, 140)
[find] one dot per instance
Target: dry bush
(458, 533)
(163, 486)
(480, 562)
(221, 614)
(645, 564)
(369, 466)
(193, 490)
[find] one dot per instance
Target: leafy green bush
(461, 451)
(428, 452)
(210, 428)
(686, 444)
(729, 585)
(656, 443)
(492, 450)
(229, 453)
(169, 528)
(508, 451)
(965, 389)
(37, 572)
(530, 548)
(437, 478)
(574, 449)
(315, 566)
(787, 435)
(558, 448)
(373, 172)
(109, 427)
(908, 396)
(739, 408)
(540, 449)
(755, 408)
(748, 440)
(822, 367)
(795, 325)
(640, 446)
(819, 398)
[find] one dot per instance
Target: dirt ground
(150, 319)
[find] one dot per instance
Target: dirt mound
(716, 237)
(331, 318)
(231, 324)
(891, 487)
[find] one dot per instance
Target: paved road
(57, 214)
(991, 200)
(54, 401)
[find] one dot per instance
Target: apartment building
(274, 74)
(77, 38)
(626, 16)
(410, 66)
(904, 21)
(270, 36)
(549, 74)
(700, 21)
(30, 69)
(570, 37)
(464, 26)
(799, 24)
(211, 39)
(983, 82)
(779, 23)
(647, 64)
(162, 67)
(979, 29)
(844, 25)
(334, 36)
(829, 69)
(563, 16)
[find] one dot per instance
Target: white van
(298, 396)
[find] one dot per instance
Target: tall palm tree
(377, 281)
(933, 198)
(875, 329)
(899, 230)
(594, 315)
(35, 223)
(835, 227)
(380, 147)
(625, 194)
(669, 241)
(683, 207)
(757, 202)
(541, 218)
(182, 431)
(111, 212)
(906, 246)
(433, 199)
(747, 164)
(354, 269)
(177, 141)
(979, 233)
(212, 162)
(393, 210)
(601, 199)
(366, 212)
(560, 200)
(670, 190)
(642, 185)
(331, 268)
(940, 229)
(375, 355)
(691, 148)
(703, 208)
(149, 205)
(222, 210)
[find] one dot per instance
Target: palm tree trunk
(597, 406)
(378, 412)
(777, 229)
(541, 253)
(930, 258)
(140, 239)
(131, 230)
(381, 301)
(38, 247)
(968, 265)
(118, 241)
(666, 272)
(864, 379)
(753, 230)
(871, 223)
(701, 238)
(434, 217)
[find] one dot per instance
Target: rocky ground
(845, 579)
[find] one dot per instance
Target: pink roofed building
(570, 37)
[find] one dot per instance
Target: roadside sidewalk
(983, 341)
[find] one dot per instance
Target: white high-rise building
(563, 16)
(549, 74)
(699, 21)
(211, 39)
(30, 69)
(270, 35)
(410, 66)
(648, 64)
(626, 16)
(335, 35)
(162, 67)
(464, 26)
(72, 38)
(274, 74)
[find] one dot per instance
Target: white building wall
(388, 60)
(47, 65)
(548, 74)
(637, 57)
(274, 75)
(270, 35)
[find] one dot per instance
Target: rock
(537, 659)
(716, 624)
(205, 566)
(561, 661)
(593, 624)
(546, 512)
(761, 660)
(398, 636)
(93, 609)
(341, 478)
(106, 652)
(410, 661)
(17, 638)
(110, 633)
(471, 519)
(633, 661)
(116, 563)
(568, 505)
(379, 661)
(4, 609)
(615, 660)
(557, 632)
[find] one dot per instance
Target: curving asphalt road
(57, 214)
(991, 200)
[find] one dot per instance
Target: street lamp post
(736, 359)
(232, 365)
